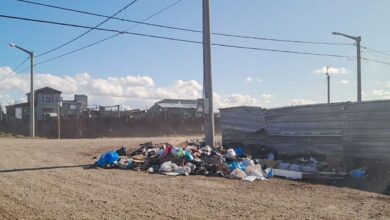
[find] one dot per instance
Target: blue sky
(114, 72)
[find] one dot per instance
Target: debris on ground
(196, 158)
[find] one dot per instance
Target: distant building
(133, 113)
(46, 102)
(75, 107)
(174, 108)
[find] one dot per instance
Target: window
(48, 98)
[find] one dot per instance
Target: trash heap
(192, 158)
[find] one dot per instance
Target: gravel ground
(46, 179)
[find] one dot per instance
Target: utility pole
(32, 100)
(359, 66)
(207, 76)
(328, 79)
(359, 70)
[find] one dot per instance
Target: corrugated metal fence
(347, 130)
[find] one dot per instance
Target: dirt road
(46, 179)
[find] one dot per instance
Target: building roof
(46, 90)
(24, 104)
(177, 103)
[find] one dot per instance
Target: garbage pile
(193, 158)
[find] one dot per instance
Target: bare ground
(45, 179)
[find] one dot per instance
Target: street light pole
(359, 66)
(207, 76)
(32, 100)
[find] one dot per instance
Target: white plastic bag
(237, 174)
(166, 167)
(255, 170)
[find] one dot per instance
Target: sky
(136, 71)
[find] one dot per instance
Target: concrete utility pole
(359, 66)
(328, 79)
(32, 100)
(207, 76)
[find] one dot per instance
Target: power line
(21, 63)
(184, 29)
(279, 51)
(376, 61)
(376, 51)
(110, 37)
(161, 37)
(81, 35)
(14, 69)
(182, 40)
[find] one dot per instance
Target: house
(174, 108)
(46, 101)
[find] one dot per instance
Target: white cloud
(387, 84)
(331, 70)
(126, 90)
(267, 98)
(250, 80)
(344, 82)
(235, 100)
(381, 93)
(301, 102)
(5, 70)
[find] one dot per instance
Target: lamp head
(12, 45)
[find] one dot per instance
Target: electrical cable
(186, 29)
(83, 34)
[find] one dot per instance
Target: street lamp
(359, 72)
(32, 110)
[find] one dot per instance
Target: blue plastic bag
(358, 174)
(239, 152)
(109, 158)
(235, 165)
(188, 156)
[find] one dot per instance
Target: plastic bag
(235, 165)
(239, 152)
(255, 170)
(166, 167)
(247, 162)
(108, 159)
(237, 174)
(188, 156)
(268, 173)
(186, 170)
(174, 151)
(230, 153)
